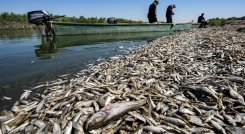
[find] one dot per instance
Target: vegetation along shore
(190, 82)
(20, 21)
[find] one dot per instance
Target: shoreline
(200, 66)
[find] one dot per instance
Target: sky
(186, 11)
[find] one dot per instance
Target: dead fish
(77, 116)
(196, 121)
(103, 99)
(236, 130)
(84, 118)
(186, 111)
(150, 120)
(139, 131)
(205, 90)
(83, 104)
(19, 128)
(108, 78)
(112, 112)
(229, 119)
(114, 91)
(39, 86)
(239, 80)
(236, 95)
(40, 105)
(68, 128)
(20, 119)
(154, 129)
(113, 127)
(29, 129)
(200, 130)
(209, 117)
(181, 98)
(206, 107)
(56, 128)
(7, 98)
(218, 127)
(6, 117)
(78, 127)
(137, 116)
(197, 110)
(109, 99)
(25, 94)
(152, 103)
(96, 106)
(39, 124)
(175, 121)
(176, 78)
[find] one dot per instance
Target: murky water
(27, 59)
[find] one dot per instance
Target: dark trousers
(203, 24)
(169, 19)
(152, 18)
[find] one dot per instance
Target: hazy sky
(186, 10)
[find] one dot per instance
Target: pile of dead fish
(191, 82)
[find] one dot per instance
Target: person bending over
(169, 13)
(202, 20)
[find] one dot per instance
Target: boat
(48, 27)
(88, 29)
(85, 29)
(74, 40)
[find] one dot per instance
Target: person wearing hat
(202, 20)
(169, 13)
(152, 17)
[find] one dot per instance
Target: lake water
(27, 59)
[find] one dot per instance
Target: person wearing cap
(152, 17)
(169, 13)
(202, 20)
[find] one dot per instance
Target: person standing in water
(169, 13)
(152, 17)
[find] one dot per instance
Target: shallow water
(27, 59)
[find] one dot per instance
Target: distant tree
(217, 21)
(232, 18)
(17, 21)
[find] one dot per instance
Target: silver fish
(154, 129)
(68, 128)
(112, 112)
(56, 128)
(218, 127)
(78, 127)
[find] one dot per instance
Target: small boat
(48, 27)
(88, 29)
(85, 29)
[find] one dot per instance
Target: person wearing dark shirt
(169, 13)
(152, 17)
(202, 20)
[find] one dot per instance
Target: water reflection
(47, 49)
(50, 47)
(16, 34)
(22, 68)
